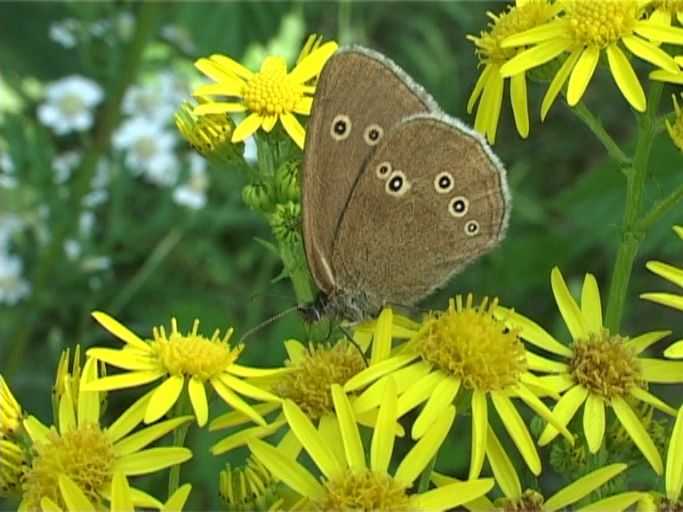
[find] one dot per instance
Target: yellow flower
(667, 11)
(675, 129)
(11, 414)
(307, 381)
(564, 499)
(586, 29)
(179, 359)
(675, 276)
(89, 454)
(464, 351)
(271, 95)
(524, 15)
(13, 463)
(602, 369)
(668, 75)
(351, 479)
(251, 487)
(122, 497)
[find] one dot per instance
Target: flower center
(192, 354)
(70, 105)
(84, 454)
(366, 490)
(146, 147)
(517, 19)
(531, 501)
(309, 384)
(471, 344)
(601, 23)
(272, 91)
(605, 365)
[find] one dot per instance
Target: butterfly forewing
(431, 197)
(360, 97)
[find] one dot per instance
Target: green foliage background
(567, 199)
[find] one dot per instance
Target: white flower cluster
(13, 286)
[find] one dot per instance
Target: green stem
(595, 125)
(426, 476)
(660, 209)
(298, 272)
(50, 261)
(182, 408)
(631, 232)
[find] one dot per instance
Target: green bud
(286, 222)
(251, 487)
(258, 197)
(287, 186)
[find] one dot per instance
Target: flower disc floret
(605, 365)
(85, 454)
(601, 23)
(194, 354)
(470, 343)
(309, 384)
(272, 91)
(364, 490)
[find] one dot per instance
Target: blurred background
(112, 210)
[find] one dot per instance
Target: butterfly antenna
(267, 322)
(354, 343)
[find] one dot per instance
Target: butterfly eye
(459, 206)
(372, 134)
(341, 127)
(443, 182)
(383, 170)
(471, 228)
(397, 184)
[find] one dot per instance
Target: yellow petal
(642, 342)
(67, 414)
(231, 398)
(231, 66)
(244, 435)
(151, 460)
(218, 107)
(542, 410)
(649, 52)
(479, 430)
(674, 460)
(631, 423)
(548, 31)
(666, 76)
(564, 411)
(518, 97)
(540, 54)
(374, 372)
(127, 359)
(230, 88)
(247, 127)
(451, 495)
(177, 499)
(479, 86)
(558, 82)
(119, 330)
(541, 364)
(442, 396)
(419, 392)
(304, 106)
(425, 449)
(491, 100)
(621, 501)
(568, 308)
(353, 447)
(590, 303)
(164, 397)
(287, 470)
(382, 445)
(130, 418)
(293, 128)
(660, 33)
(532, 332)
(660, 371)
(244, 388)
(649, 398)
(518, 432)
(481, 120)
(120, 493)
(195, 388)
(382, 346)
(313, 63)
(582, 74)
(583, 486)
(88, 401)
(73, 496)
(594, 421)
(503, 470)
(148, 435)
(675, 350)
(626, 78)
(666, 299)
(668, 272)
(313, 442)
(124, 380)
(330, 431)
(269, 122)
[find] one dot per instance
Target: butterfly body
(396, 195)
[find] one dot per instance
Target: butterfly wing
(360, 96)
(430, 198)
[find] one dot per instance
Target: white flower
(72, 249)
(149, 150)
(9, 224)
(192, 193)
(69, 104)
(64, 32)
(63, 164)
(13, 287)
(156, 100)
(7, 175)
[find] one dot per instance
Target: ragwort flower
(673, 300)
(89, 454)
(603, 370)
(463, 351)
(271, 95)
(587, 29)
(179, 360)
(350, 480)
(524, 15)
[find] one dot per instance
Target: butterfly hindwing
(431, 197)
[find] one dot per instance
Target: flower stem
(595, 125)
(661, 208)
(631, 228)
(182, 408)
